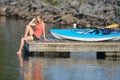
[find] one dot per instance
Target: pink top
(38, 30)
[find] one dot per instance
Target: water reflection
(30, 70)
(41, 68)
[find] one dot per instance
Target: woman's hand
(46, 39)
(31, 23)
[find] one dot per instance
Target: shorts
(34, 37)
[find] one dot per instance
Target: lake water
(80, 66)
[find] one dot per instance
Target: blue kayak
(86, 34)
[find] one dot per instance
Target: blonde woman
(39, 25)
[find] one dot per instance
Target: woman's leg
(22, 43)
(28, 30)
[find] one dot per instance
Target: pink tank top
(38, 30)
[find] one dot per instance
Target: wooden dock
(55, 45)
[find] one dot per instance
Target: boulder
(90, 13)
(3, 11)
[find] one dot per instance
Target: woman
(33, 35)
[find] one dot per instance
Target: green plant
(53, 2)
(80, 1)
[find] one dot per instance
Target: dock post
(112, 55)
(64, 54)
(57, 54)
(100, 55)
(108, 55)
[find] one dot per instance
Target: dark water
(80, 66)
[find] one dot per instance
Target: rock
(48, 18)
(14, 3)
(73, 3)
(51, 10)
(88, 25)
(69, 19)
(89, 13)
(64, 6)
(3, 11)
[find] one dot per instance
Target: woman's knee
(22, 39)
(28, 26)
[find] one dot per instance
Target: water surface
(80, 66)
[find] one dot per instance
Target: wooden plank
(54, 45)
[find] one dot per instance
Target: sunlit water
(80, 66)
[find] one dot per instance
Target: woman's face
(38, 19)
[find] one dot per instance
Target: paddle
(112, 26)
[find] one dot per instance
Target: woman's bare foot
(19, 52)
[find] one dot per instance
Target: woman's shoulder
(43, 23)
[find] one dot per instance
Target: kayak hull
(83, 35)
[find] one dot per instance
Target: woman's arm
(32, 23)
(44, 32)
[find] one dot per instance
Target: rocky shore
(86, 13)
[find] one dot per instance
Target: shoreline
(75, 13)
